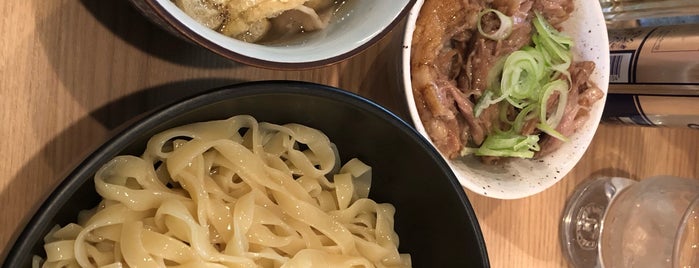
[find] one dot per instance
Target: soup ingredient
(231, 193)
(497, 79)
(255, 20)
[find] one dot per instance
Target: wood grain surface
(73, 71)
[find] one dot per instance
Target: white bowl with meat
(509, 92)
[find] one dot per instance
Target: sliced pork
(451, 62)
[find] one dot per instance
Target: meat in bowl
(497, 79)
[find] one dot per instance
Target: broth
(263, 22)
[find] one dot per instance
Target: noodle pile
(231, 193)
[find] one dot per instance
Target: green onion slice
(509, 144)
(526, 79)
(523, 116)
(503, 31)
(552, 43)
(548, 124)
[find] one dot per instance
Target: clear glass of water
(618, 222)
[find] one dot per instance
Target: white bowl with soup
(279, 34)
(514, 105)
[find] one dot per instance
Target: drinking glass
(617, 222)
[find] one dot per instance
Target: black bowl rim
(82, 172)
(232, 55)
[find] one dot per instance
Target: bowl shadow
(386, 89)
(150, 38)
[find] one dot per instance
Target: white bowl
(357, 25)
(525, 177)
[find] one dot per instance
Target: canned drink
(654, 76)
(652, 110)
(661, 60)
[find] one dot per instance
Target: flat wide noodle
(231, 193)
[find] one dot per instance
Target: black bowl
(434, 219)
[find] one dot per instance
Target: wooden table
(73, 71)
